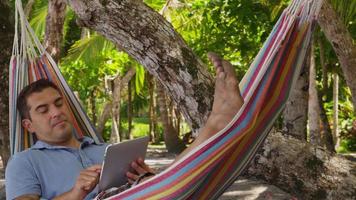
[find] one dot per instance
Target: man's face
(50, 118)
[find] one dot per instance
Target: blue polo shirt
(49, 171)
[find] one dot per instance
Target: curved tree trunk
(305, 170)
(54, 27)
(342, 42)
(6, 38)
(146, 36)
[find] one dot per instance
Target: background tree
(6, 36)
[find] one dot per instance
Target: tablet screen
(117, 161)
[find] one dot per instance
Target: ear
(27, 124)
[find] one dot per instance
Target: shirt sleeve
(20, 178)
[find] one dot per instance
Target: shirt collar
(85, 141)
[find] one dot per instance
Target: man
(59, 166)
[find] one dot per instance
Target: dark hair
(37, 86)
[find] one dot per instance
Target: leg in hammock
(227, 101)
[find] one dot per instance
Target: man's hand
(140, 168)
(86, 182)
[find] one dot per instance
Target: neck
(72, 143)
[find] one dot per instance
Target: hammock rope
(208, 170)
(29, 63)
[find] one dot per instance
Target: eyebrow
(46, 105)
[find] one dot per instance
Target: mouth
(59, 123)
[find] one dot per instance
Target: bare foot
(227, 102)
(227, 96)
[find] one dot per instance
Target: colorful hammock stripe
(26, 67)
(211, 168)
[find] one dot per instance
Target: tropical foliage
(233, 28)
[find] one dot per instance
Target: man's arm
(86, 182)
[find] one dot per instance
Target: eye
(42, 109)
(58, 103)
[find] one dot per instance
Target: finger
(89, 173)
(94, 168)
(138, 168)
(86, 184)
(132, 176)
(90, 179)
(142, 163)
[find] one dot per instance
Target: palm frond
(38, 22)
(88, 49)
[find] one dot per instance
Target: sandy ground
(243, 188)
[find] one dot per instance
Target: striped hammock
(208, 170)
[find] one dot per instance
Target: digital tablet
(117, 161)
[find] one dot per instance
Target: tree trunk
(342, 42)
(146, 36)
(105, 115)
(92, 100)
(306, 171)
(326, 130)
(296, 110)
(154, 136)
(326, 133)
(323, 66)
(28, 7)
(54, 27)
(336, 110)
(173, 143)
(115, 136)
(313, 106)
(129, 110)
(6, 38)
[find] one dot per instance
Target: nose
(55, 112)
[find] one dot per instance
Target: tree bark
(296, 111)
(342, 43)
(306, 171)
(54, 27)
(313, 104)
(173, 143)
(6, 38)
(146, 36)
